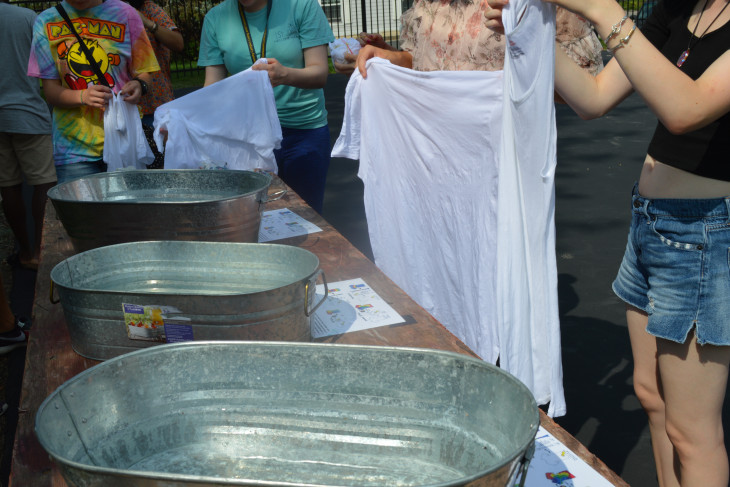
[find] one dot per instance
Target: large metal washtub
(128, 206)
(221, 291)
(289, 414)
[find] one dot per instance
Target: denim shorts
(677, 267)
(76, 170)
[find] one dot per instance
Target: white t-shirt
(428, 144)
(527, 303)
(232, 123)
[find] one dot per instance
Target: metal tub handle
(310, 312)
(522, 466)
(276, 181)
(53, 301)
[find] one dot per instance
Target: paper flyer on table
(350, 306)
(284, 223)
(554, 465)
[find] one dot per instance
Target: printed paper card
(284, 223)
(350, 306)
(156, 323)
(554, 465)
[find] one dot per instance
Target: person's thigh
(69, 172)
(9, 165)
(694, 382)
(35, 155)
(644, 351)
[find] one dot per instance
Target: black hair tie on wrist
(142, 84)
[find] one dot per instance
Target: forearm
(172, 39)
(680, 103)
(146, 77)
(61, 97)
(213, 74)
(313, 75)
(400, 58)
(309, 77)
(589, 96)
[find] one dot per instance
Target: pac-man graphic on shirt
(79, 64)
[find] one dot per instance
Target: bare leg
(648, 389)
(694, 378)
(14, 210)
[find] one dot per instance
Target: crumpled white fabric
(230, 124)
(340, 46)
(125, 145)
(527, 299)
(427, 142)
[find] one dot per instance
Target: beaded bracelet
(622, 42)
(616, 28)
(81, 96)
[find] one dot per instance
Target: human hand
(96, 96)
(369, 52)
(132, 91)
(375, 40)
(348, 67)
(277, 72)
(494, 15)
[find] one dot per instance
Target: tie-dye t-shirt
(115, 35)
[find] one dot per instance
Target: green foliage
(193, 79)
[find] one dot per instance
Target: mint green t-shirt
(294, 25)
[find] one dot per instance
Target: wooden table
(50, 360)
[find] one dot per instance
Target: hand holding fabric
(348, 67)
(399, 58)
(375, 40)
(96, 96)
(277, 72)
(132, 91)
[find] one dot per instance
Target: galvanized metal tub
(180, 291)
(129, 206)
(289, 414)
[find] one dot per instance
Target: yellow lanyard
(247, 31)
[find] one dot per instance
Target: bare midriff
(661, 181)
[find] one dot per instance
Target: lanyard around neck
(247, 31)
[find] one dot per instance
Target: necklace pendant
(682, 58)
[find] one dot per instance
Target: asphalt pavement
(598, 162)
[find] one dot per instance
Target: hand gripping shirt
(114, 34)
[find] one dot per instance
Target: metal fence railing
(347, 18)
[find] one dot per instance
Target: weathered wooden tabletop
(50, 360)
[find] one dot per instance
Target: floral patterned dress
(160, 90)
(445, 35)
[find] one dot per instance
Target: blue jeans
(303, 161)
(676, 267)
(76, 170)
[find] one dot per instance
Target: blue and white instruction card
(350, 306)
(284, 223)
(554, 465)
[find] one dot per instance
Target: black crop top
(705, 152)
